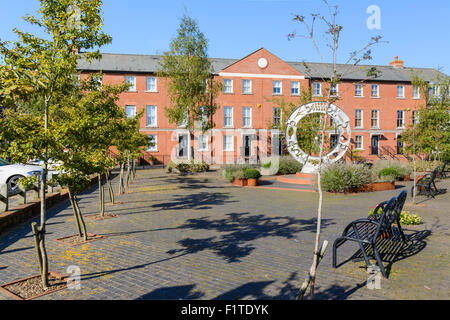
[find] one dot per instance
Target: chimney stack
(396, 63)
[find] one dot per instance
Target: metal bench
(442, 174)
(426, 184)
(367, 231)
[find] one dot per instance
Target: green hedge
(391, 168)
(288, 165)
(343, 177)
(188, 167)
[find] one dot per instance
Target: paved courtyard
(198, 237)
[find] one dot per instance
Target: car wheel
(13, 184)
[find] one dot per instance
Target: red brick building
(379, 109)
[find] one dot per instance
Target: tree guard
(341, 123)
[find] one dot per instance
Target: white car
(11, 173)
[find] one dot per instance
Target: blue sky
(416, 31)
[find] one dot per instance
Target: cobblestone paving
(197, 237)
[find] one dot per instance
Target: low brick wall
(25, 212)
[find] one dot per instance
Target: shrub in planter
(239, 174)
(391, 168)
(343, 177)
(188, 167)
(229, 169)
(288, 165)
(252, 173)
(267, 165)
(389, 172)
(239, 178)
(252, 176)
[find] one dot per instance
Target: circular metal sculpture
(341, 124)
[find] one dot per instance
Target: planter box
(252, 182)
(377, 186)
(240, 182)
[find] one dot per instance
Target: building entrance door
(182, 146)
(375, 140)
(247, 150)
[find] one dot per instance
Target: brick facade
(258, 135)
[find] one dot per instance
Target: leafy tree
(431, 134)
(88, 120)
(191, 87)
(129, 143)
(42, 69)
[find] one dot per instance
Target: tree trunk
(319, 209)
(128, 171)
(121, 176)
(110, 189)
(39, 242)
(101, 192)
(81, 226)
(133, 163)
(77, 221)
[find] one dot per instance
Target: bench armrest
(362, 220)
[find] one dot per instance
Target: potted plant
(252, 176)
(239, 178)
(265, 168)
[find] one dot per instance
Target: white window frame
(403, 91)
(248, 87)
(403, 119)
(297, 87)
(225, 86)
(377, 118)
(156, 116)
(203, 110)
(435, 90)
(416, 92)
(98, 79)
(225, 117)
(276, 87)
(155, 147)
(244, 117)
(129, 106)
(147, 88)
(277, 125)
(415, 117)
(362, 119)
(362, 142)
(133, 88)
(337, 89)
(359, 85)
(377, 93)
(225, 137)
(314, 89)
(199, 146)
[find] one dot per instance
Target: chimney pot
(396, 63)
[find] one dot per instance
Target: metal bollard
(22, 194)
(4, 197)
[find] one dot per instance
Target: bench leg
(379, 261)
(363, 250)
(336, 244)
(401, 232)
